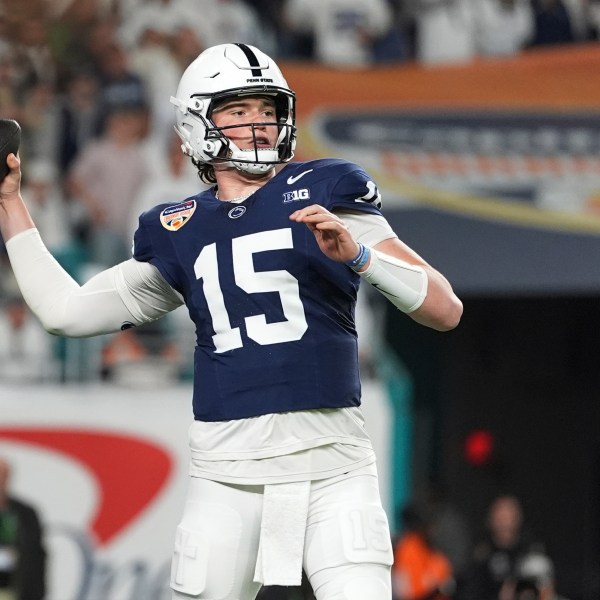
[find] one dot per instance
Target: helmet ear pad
(192, 132)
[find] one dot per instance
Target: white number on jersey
(284, 283)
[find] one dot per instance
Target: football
(10, 139)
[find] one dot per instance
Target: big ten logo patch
(295, 195)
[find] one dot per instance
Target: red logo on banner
(130, 471)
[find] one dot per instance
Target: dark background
(527, 369)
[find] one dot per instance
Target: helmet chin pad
(266, 159)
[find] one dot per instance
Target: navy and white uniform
(274, 316)
(283, 470)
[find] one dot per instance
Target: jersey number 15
(284, 283)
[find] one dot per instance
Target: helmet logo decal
(259, 80)
(252, 59)
(237, 212)
(175, 217)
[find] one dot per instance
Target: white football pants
(347, 547)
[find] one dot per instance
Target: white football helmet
(225, 71)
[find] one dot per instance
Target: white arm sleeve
(403, 284)
(131, 292)
(366, 228)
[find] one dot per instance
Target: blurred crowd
(438, 555)
(89, 82)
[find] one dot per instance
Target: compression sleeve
(126, 293)
(404, 285)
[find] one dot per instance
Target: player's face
(239, 112)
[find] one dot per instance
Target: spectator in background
(122, 10)
(33, 55)
(185, 45)
(26, 350)
(271, 15)
(506, 541)
(5, 45)
(534, 579)
(593, 19)
(344, 32)
(420, 571)
(578, 15)
(152, 59)
(449, 530)
(552, 23)
(445, 31)
(91, 43)
(39, 117)
(105, 180)
(78, 117)
(46, 202)
(397, 45)
(213, 21)
(166, 14)
(120, 86)
(220, 21)
(22, 553)
(10, 107)
(502, 27)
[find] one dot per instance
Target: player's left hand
(331, 233)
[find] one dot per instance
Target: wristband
(361, 259)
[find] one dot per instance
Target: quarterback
(268, 262)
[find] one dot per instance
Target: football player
(268, 262)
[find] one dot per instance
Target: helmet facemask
(257, 159)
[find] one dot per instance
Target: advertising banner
(490, 170)
(106, 467)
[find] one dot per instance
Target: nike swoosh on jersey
(292, 179)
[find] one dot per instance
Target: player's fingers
(310, 211)
(14, 163)
(330, 225)
(318, 218)
(10, 183)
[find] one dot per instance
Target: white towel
(282, 531)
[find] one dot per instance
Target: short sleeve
(142, 244)
(355, 190)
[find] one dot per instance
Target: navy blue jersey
(274, 316)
